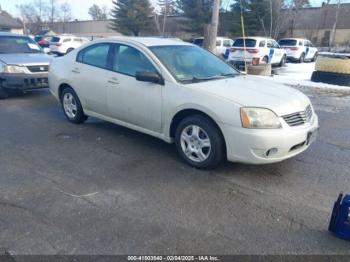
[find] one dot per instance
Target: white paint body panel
(150, 108)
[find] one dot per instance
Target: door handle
(76, 71)
(113, 81)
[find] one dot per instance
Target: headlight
(259, 118)
(2, 66)
(13, 69)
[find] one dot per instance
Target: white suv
(222, 44)
(64, 44)
(256, 50)
(299, 50)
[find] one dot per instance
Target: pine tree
(198, 12)
(131, 16)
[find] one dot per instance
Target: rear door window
(262, 43)
(66, 40)
(227, 43)
(95, 55)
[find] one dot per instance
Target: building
(89, 28)
(317, 24)
(10, 24)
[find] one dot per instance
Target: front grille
(299, 118)
(38, 69)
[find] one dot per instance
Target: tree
(167, 7)
(65, 12)
(131, 16)
(214, 26)
(198, 12)
(98, 13)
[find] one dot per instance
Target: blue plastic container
(340, 221)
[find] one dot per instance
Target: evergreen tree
(198, 12)
(131, 16)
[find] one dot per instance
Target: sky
(80, 7)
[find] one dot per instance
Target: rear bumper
(24, 81)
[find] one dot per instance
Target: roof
(10, 34)
(6, 20)
(149, 41)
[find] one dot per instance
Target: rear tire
(265, 60)
(69, 50)
(283, 61)
(199, 142)
(72, 107)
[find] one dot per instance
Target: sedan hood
(253, 91)
(25, 59)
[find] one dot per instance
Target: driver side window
(128, 60)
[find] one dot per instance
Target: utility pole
(332, 40)
(213, 32)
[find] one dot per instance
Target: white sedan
(181, 93)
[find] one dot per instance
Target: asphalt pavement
(99, 188)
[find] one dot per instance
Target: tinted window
(190, 63)
(66, 40)
(129, 61)
(269, 44)
(248, 42)
(96, 55)
(18, 44)
(288, 42)
(218, 42)
(55, 39)
(262, 43)
(227, 43)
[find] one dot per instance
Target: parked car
(256, 50)
(299, 50)
(64, 44)
(43, 41)
(23, 64)
(222, 44)
(181, 93)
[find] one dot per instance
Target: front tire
(199, 142)
(69, 50)
(314, 58)
(283, 61)
(302, 58)
(72, 107)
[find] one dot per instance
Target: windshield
(248, 42)
(18, 45)
(191, 64)
(288, 42)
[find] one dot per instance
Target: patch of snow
(299, 75)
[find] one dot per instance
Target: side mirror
(151, 77)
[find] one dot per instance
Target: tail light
(253, 51)
(294, 48)
(59, 44)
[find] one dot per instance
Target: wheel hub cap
(195, 143)
(70, 105)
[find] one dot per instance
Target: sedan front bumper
(24, 81)
(265, 146)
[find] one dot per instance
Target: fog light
(256, 61)
(271, 152)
